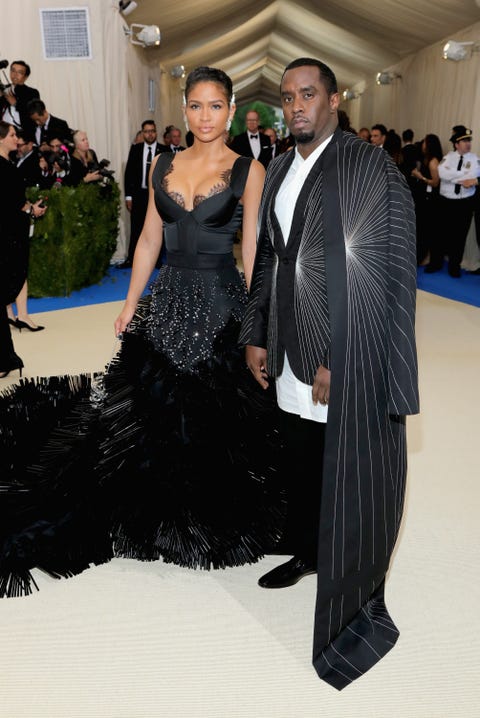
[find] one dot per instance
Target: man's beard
(304, 138)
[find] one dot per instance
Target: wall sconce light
(146, 35)
(127, 6)
(386, 78)
(459, 50)
(351, 94)
(177, 71)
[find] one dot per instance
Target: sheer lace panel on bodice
(217, 188)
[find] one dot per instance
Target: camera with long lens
(101, 168)
(4, 86)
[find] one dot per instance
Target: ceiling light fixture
(127, 6)
(457, 51)
(146, 35)
(177, 71)
(386, 78)
(351, 94)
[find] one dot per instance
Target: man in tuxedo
(275, 144)
(330, 319)
(136, 182)
(253, 143)
(47, 126)
(175, 139)
(27, 159)
(14, 100)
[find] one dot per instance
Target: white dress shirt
(255, 143)
(450, 175)
(293, 395)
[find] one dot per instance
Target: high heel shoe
(14, 362)
(13, 322)
(23, 325)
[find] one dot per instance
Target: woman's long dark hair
(433, 148)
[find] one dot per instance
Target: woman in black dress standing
(15, 214)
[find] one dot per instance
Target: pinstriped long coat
(342, 292)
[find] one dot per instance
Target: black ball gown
(172, 451)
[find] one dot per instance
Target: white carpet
(149, 640)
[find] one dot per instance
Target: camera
(4, 86)
(62, 158)
(101, 168)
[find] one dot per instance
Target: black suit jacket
(24, 94)
(29, 169)
(58, 128)
(134, 168)
(241, 145)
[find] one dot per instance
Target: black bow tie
(254, 137)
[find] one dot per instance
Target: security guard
(459, 171)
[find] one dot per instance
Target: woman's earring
(186, 122)
(229, 124)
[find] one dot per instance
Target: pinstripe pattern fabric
(350, 274)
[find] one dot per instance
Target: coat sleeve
(255, 323)
(401, 298)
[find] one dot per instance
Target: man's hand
(321, 386)
(256, 358)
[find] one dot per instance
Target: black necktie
(254, 137)
(149, 161)
(459, 167)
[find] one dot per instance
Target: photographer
(16, 213)
(46, 125)
(84, 163)
(56, 165)
(15, 96)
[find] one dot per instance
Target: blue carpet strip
(114, 286)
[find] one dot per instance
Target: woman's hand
(37, 209)
(92, 177)
(123, 320)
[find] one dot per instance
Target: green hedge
(74, 241)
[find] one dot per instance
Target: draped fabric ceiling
(253, 40)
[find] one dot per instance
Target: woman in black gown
(15, 213)
(171, 452)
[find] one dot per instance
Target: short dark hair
(381, 128)
(209, 74)
(407, 135)
(327, 75)
(25, 135)
(148, 122)
(36, 107)
(23, 64)
(4, 128)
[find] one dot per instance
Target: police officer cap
(460, 132)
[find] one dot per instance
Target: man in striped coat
(331, 318)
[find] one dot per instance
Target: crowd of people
(444, 187)
(37, 150)
(192, 444)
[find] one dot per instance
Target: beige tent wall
(432, 95)
(107, 96)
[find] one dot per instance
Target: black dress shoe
(455, 272)
(431, 268)
(125, 265)
(287, 574)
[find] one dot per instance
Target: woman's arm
(251, 203)
(146, 254)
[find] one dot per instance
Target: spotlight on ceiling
(459, 50)
(386, 78)
(146, 35)
(351, 94)
(177, 71)
(127, 6)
